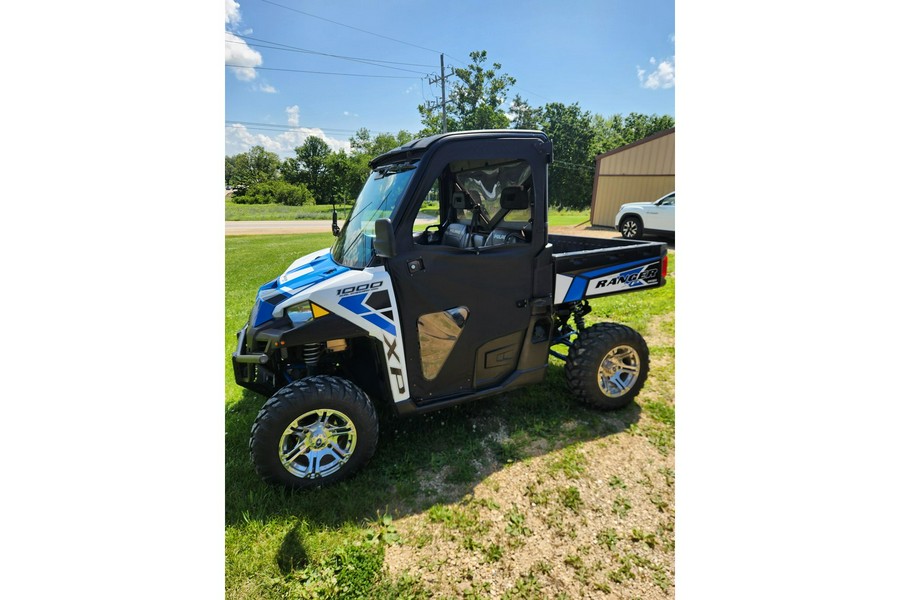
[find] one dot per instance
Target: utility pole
(443, 97)
(443, 102)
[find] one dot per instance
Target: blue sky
(610, 56)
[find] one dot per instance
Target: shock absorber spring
(312, 353)
(579, 312)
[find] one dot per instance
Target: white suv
(637, 218)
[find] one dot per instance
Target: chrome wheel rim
(619, 371)
(629, 229)
(317, 443)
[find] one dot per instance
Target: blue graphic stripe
(579, 284)
(576, 290)
(355, 304)
(608, 270)
(381, 323)
(264, 312)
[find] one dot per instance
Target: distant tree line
(318, 175)
(314, 175)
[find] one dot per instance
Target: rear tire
(607, 365)
(313, 432)
(631, 227)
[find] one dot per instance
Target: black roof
(416, 148)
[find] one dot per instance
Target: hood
(303, 273)
(635, 204)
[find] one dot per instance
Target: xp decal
(366, 298)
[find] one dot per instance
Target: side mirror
(385, 243)
(514, 198)
(335, 230)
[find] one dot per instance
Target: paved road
(323, 226)
(272, 227)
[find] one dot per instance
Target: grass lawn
(524, 495)
(559, 217)
(280, 212)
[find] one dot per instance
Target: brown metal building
(642, 171)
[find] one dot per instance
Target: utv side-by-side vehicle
(423, 316)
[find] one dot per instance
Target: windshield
(377, 200)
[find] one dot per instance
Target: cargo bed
(590, 267)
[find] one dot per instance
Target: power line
(321, 72)
(339, 133)
(566, 165)
(295, 48)
(531, 93)
(358, 29)
(349, 26)
(286, 48)
(273, 126)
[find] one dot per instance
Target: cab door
(661, 215)
(464, 309)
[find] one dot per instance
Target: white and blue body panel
(363, 297)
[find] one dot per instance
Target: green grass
(561, 217)
(280, 212)
(331, 543)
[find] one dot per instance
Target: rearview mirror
(335, 230)
(385, 243)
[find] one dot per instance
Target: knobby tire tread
(301, 396)
(584, 359)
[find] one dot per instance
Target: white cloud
(662, 73)
(662, 77)
(237, 52)
(265, 87)
(347, 113)
(240, 139)
(232, 13)
(293, 113)
(241, 57)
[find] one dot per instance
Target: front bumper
(250, 368)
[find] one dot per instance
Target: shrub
(275, 192)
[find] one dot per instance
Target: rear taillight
(665, 265)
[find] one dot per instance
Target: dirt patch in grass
(592, 519)
(539, 529)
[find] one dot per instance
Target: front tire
(315, 431)
(631, 227)
(607, 365)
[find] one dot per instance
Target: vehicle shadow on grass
(421, 461)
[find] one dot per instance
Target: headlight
(300, 313)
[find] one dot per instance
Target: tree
(524, 116)
(344, 177)
(615, 131)
(255, 166)
(362, 142)
(309, 167)
(474, 101)
(572, 170)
